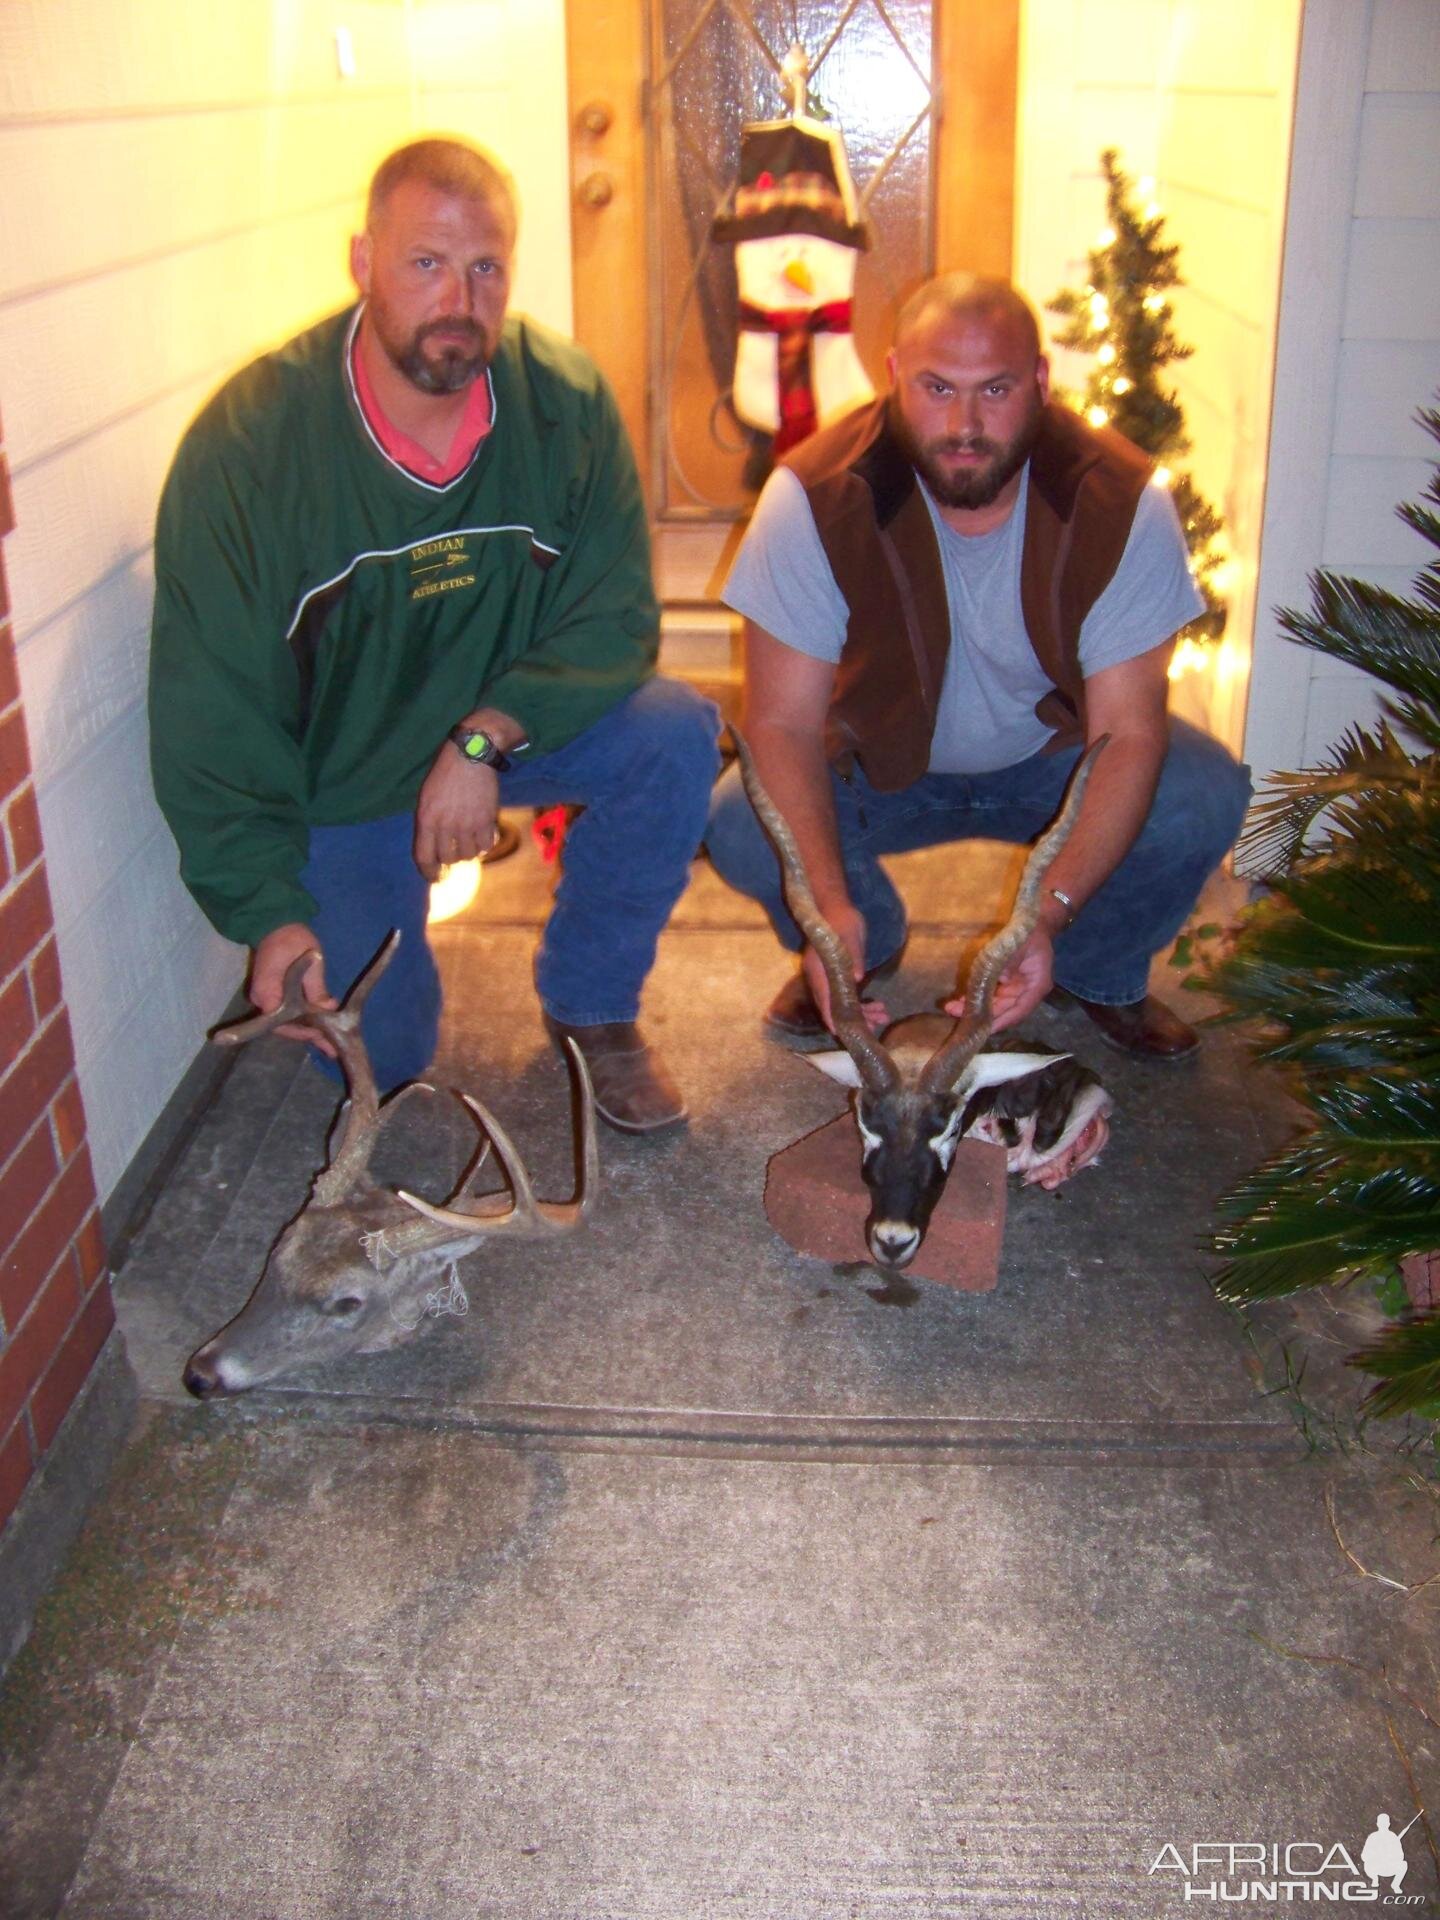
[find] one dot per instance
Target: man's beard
(459, 361)
(981, 486)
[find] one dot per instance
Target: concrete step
(701, 645)
(692, 557)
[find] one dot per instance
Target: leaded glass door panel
(713, 65)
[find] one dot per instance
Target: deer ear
(835, 1062)
(993, 1069)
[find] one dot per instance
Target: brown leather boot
(1145, 1029)
(633, 1091)
(793, 1013)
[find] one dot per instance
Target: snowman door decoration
(798, 233)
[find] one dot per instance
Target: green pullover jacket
(322, 618)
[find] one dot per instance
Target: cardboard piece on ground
(815, 1199)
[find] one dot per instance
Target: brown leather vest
(1084, 487)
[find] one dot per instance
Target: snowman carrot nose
(798, 274)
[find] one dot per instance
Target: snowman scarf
(794, 329)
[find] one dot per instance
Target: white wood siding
(1196, 95)
(179, 185)
(1359, 350)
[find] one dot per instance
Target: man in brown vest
(946, 594)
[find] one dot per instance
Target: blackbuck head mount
(928, 1083)
(360, 1267)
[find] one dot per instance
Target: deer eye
(869, 1138)
(342, 1306)
(943, 1143)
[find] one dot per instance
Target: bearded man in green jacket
(403, 578)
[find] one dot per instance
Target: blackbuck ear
(993, 1069)
(835, 1062)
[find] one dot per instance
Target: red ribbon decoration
(794, 328)
(548, 832)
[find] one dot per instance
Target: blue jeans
(643, 775)
(1197, 812)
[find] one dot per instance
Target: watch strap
(476, 746)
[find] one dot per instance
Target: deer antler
(943, 1070)
(341, 1026)
(525, 1217)
(878, 1071)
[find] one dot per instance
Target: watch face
(477, 746)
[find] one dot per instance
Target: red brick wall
(55, 1307)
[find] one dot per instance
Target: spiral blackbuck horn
(927, 1083)
(360, 1267)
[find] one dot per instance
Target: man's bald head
(966, 297)
(968, 390)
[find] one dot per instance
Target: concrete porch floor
(683, 1577)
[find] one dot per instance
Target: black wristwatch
(475, 745)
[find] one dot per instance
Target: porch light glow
(1229, 661)
(1189, 657)
(453, 891)
(1225, 660)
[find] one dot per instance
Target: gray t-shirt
(782, 581)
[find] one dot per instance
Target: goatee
(459, 362)
(981, 486)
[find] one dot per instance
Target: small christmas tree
(1123, 317)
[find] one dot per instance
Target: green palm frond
(1425, 522)
(1360, 1049)
(1381, 1111)
(1406, 1359)
(1394, 829)
(1392, 638)
(1319, 1050)
(1281, 820)
(1373, 928)
(1417, 719)
(1321, 1231)
(1272, 984)
(1292, 971)
(1340, 967)
(1333, 1185)
(1366, 909)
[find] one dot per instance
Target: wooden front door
(923, 92)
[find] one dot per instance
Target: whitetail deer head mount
(914, 1101)
(360, 1266)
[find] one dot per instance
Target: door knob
(596, 190)
(594, 118)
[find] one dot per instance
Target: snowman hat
(794, 178)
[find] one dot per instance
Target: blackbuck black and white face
(1035, 1105)
(919, 1092)
(907, 1142)
(360, 1267)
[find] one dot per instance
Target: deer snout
(208, 1379)
(202, 1376)
(894, 1242)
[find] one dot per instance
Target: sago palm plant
(1341, 965)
